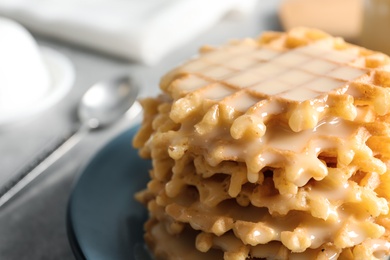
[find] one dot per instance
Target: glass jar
(375, 32)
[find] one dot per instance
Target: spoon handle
(33, 171)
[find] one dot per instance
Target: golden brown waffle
(275, 148)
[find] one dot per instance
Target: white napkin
(141, 30)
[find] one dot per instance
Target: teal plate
(104, 221)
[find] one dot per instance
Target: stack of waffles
(270, 148)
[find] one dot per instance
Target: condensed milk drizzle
(271, 148)
(301, 87)
(303, 81)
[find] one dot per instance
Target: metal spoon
(102, 105)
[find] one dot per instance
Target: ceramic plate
(104, 220)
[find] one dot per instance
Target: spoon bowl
(107, 101)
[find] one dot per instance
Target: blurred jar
(375, 32)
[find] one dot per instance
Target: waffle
(270, 148)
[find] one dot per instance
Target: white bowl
(61, 74)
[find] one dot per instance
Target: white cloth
(141, 30)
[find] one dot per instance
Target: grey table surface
(33, 224)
